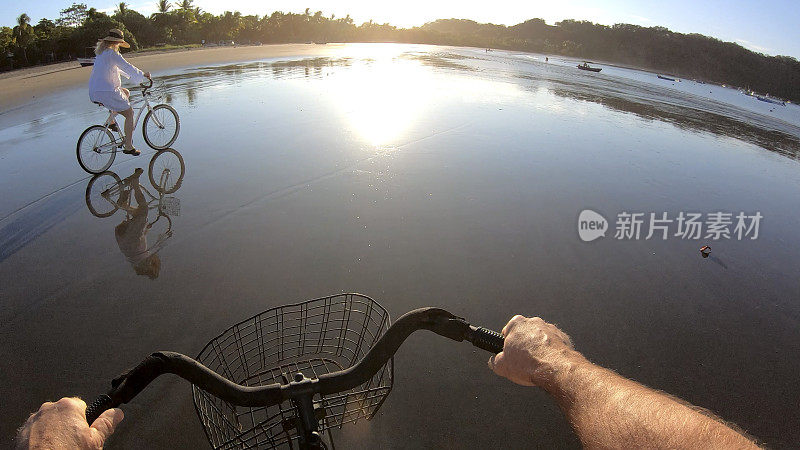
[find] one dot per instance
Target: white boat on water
(87, 60)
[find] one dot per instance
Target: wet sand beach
(420, 176)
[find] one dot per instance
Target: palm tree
(23, 34)
(122, 8)
(233, 22)
(163, 6)
(186, 12)
(23, 20)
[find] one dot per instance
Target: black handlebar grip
(98, 406)
(489, 340)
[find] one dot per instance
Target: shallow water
(419, 176)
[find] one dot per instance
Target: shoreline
(27, 86)
(42, 69)
(22, 87)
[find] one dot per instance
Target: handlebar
(126, 386)
(146, 86)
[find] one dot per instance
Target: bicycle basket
(171, 206)
(314, 337)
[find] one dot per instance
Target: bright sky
(769, 26)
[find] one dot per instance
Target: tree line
(658, 49)
(654, 48)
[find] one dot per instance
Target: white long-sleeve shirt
(108, 67)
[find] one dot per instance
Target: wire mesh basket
(170, 206)
(314, 337)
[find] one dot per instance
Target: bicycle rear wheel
(102, 194)
(161, 126)
(166, 171)
(96, 149)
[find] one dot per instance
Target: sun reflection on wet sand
(382, 99)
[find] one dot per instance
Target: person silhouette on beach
(131, 233)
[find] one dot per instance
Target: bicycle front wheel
(96, 149)
(161, 126)
(166, 171)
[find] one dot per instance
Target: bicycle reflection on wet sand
(106, 194)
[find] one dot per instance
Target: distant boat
(87, 60)
(585, 66)
(767, 99)
(663, 77)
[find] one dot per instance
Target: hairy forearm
(610, 411)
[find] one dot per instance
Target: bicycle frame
(117, 188)
(144, 105)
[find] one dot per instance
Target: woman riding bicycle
(105, 84)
